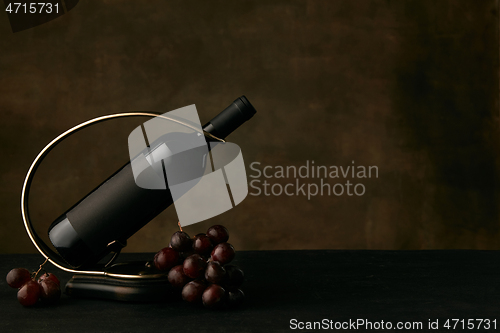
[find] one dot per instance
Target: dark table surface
(309, 286)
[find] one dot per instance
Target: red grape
(49, 291)
(213, 296)
(218, 234)
(202, 244)
(166, 258)
(234, 276)
(177, 278)
(29, 293)
(181, 241)
(223, 253)
(49, 276)
(193, 291)
(202, 259)
(17, 277)
(215, 272)
(235, 297)
(194, 266)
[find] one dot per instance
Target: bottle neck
(231, 118)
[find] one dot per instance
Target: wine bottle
(105, 218)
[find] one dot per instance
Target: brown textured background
(408, 86)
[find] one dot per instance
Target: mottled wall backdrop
(410, 87)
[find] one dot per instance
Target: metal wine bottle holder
(50, 255)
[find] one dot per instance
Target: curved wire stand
(40, 245)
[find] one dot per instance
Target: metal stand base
(151, 286)
(128, 290)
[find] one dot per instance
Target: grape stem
(35, 274)
(179, 224)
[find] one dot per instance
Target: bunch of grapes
(46, 289)
(200, 267)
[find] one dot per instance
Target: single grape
(177, 278)
(193, 291)
(235, 297)
(17, 277)
(223, 253)
(181, 241)
(234, 276)
(29, 293)
(166, 258)
(194, 266)
(49, 276)
(213, 296)
(202, 244)
(49, 291)
(218, 234)
(215, 273)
